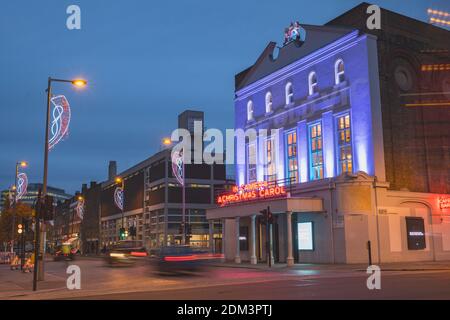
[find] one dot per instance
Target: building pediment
(315, 38)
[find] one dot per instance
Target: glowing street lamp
(39, 265)
(119, 180)
(21, 164)
(80, 83)
(77, 83)
(165, 143)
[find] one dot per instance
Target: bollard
(369, 250)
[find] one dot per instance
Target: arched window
(268, 102)
(339, 72)
(312, 83)
(289, 93)
(250, 110)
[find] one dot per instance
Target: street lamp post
(120, 181)
(168, 142)
(39, 257)
(80, 199)
(184, 203)
(22, 164)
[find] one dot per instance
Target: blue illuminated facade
(322, 93)
(311, 111)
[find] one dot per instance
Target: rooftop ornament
(292, 33)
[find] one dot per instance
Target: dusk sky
(146, 61)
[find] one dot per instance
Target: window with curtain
(344, 144)
(291, 157)
(316, 151)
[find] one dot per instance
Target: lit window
(250, 110)
(305, 235)
(289, 93)
(251, 163)
(339, 72)
(312, 81)
(316, 151)
(291, 157)
(344, 141)
(270, 167)
(268, 102)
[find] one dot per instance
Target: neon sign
(22, 184)
(178, 166)
(118, 198)
(251, 192)
(444, 203)
(60, 120)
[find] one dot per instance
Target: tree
(6, 219)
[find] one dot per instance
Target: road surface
(217, 283)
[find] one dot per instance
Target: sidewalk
(394, 266)
(17, 283)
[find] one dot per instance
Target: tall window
(250, 110)
(270, 165)
(268, 102)
(291, 157)
(251, 163)
(312, 83)
(344, 141)
(316, 151)
(289, 93)
(339, 72)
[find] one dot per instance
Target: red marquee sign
(444, 203)
(251, 192)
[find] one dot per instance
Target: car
(126, 252)
(179, 259)
(64, 252)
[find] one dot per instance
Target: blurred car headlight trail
(117, 255)
(139, 254)
(205, 256)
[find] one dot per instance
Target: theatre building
(346, 160)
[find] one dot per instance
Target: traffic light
(48, 208)
(19, 228)
(26, 225)
(122, 234)
(181, 229)
(264, 216)
(126, 234)
(269, 216)
(188, 229)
